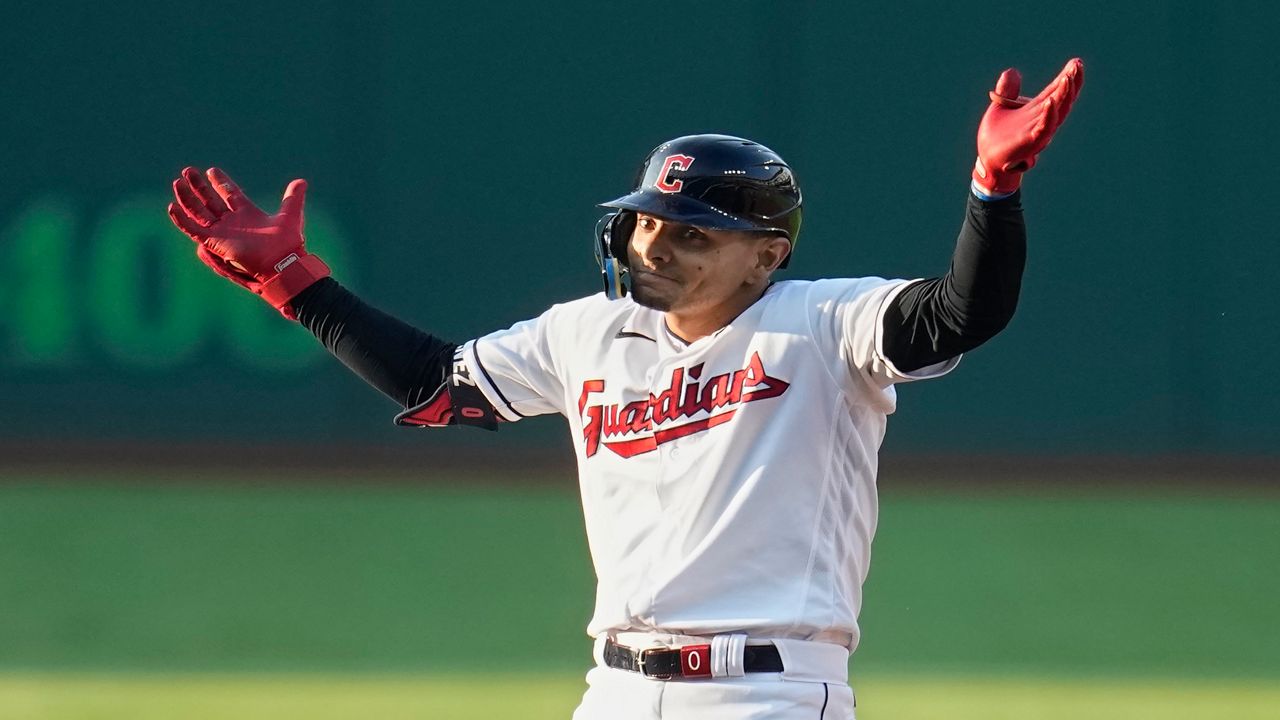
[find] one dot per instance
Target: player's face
(689, 270)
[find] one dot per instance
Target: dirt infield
(553, 465)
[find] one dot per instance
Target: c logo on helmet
(671, 164)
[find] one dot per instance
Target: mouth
(646, 275)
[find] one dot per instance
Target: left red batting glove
(265, 254)
(1015, 128)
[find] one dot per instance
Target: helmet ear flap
(613, 233)
(620, 230)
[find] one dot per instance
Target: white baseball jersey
(728, 484)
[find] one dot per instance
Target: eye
(645, 223)
(693, 234)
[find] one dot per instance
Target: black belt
(690, 661)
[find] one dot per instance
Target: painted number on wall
(126, 288)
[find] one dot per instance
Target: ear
(771, 252)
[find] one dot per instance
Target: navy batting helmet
(709, 181)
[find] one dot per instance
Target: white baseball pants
(622, 695)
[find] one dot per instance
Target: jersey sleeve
(516, 368)
(848, 321)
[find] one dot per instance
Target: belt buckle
(644, 654)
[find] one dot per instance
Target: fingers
(1039, 126)
(185, 223)
(203, 190)
(1074, 69)
(228, 190)
(191, 204)
(294, 197)
(1066, 86)
(1008, 85)
(1062, 94)
(1074, 74)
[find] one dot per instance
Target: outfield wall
(455, 158)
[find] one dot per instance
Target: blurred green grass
(548, 697)
(244, 575)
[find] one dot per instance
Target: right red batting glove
(262, 253)
(1015, 128)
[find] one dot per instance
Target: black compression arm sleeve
(403, 362)
(937, 319)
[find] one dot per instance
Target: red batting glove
(1015, 128)
(262, 253)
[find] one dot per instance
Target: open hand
(1016, 128)
(263, 253)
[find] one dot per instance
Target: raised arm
(266, 254)
(937, 319)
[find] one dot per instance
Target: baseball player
(726, 424)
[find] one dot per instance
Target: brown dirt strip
(381, 464)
